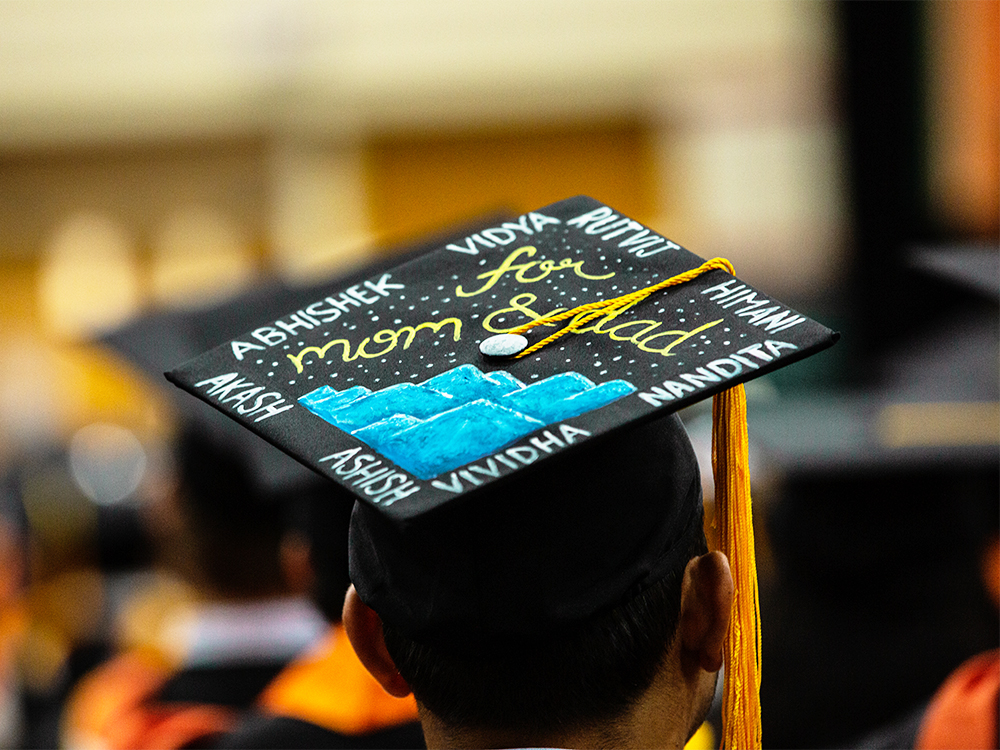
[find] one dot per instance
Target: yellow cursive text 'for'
(523, 271)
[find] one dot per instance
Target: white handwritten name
(246, 398)
(757, 310)
(503, 234)
(511, 458)
(383, 484)
(324, 311)
(717, 371)
(609, 225)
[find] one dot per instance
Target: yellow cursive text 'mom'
(387, 338)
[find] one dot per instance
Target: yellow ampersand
(518, 304)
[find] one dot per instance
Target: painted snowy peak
(458, 416)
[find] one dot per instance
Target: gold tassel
(741, 728)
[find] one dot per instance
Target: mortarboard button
(503, 345)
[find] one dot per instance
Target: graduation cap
(446, 392)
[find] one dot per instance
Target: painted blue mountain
(456, 437)
(404, 398)
(324, 400)
(375, 434)
(457, 416)
(467, 383)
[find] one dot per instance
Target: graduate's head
(549, 602)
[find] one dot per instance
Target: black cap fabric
(574, 536)
(454, 455)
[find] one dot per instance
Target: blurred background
(160, 159)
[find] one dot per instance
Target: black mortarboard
(462, 534)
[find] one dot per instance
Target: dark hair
(577, 678)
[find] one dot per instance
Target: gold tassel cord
(585, 313)
(741, 729)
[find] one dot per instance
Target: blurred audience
(247, 620)
(13, 554)
(326, 698)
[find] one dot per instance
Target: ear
(364, 630)
(706, 608)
